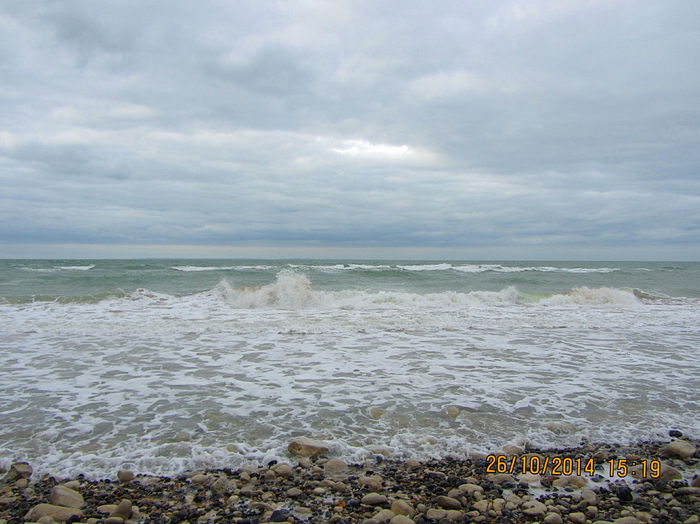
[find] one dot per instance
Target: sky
(483, 129)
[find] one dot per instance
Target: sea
(165, 366)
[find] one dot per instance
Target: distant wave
(75, 268)
(188, 269)
(57, 268)
(445, 266)
(498, 268)
(427, 267)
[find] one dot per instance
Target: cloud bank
(561, 128)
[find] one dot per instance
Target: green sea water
(23, 280)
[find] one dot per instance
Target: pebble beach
(314, 487)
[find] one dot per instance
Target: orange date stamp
(567, 466)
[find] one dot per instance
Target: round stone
(374, 499)
(124, 475)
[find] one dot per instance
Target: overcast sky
(528, 129)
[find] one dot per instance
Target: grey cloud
(551, 124)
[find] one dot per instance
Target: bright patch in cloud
(449, 84)
(131, 111)
(364, 149)
(7, 140)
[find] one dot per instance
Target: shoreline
(320, 488)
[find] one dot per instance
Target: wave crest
(290, 290)
(293, 290)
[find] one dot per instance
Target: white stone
(534, 508)
(63, 496)
(374, 482)
(307, 447)
(335, 466)
(401, 519)
(124, 475)
(383, 516)
(401, 507)
(679, 448)
(553, 518)
(55, 512)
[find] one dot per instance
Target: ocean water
(169, 365)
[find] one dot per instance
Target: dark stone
(624, 494)
(675, 433)
(279, 515)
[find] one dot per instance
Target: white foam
(340, 267)
(75, 268)
(483, 268)
(121, 379)
(426, 267)
(190, 269)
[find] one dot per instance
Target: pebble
(401, 519)
(222, 486)
(627, 520)
(124, 475)
(294, 492)
(18, 470)
(334, 466)
(534, 508)
(553, 518)
(307, 447)
(63, 496)
(199, 478)
(283, 469)
(470, 489)
(374, 499)
(577, 517)
(122, 510)
(453, 411)
(53, 511)
(436, 514)
(448, 502)
(374, 482)
(680, 448)
(510, 450)
(401, 507)
(384, 515)
(500, 478)
(482, 506)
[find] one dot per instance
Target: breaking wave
(293, 290)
